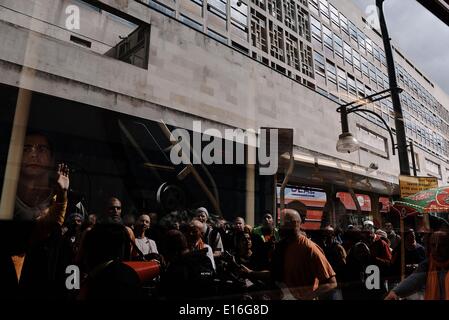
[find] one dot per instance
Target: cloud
(420, 36)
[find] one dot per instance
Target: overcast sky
(422, 37)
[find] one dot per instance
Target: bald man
(298, 263)
(113, 214)
(301, 264)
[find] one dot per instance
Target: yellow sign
(411, 185)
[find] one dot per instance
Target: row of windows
(335, 45)
(424, 112)
(416, 108)
(341, 24)
(406, 81)
(349, 87)
(425, 136)
(281, 44)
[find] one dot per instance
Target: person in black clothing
(353, 276)
(188, 274)
(104, 249)
(414, 255)
(336, 255)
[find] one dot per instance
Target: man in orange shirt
(298, 265)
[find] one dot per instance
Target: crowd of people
(204, 256)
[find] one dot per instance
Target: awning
(317, 170)
(363, 199)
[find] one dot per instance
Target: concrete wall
(49, 17)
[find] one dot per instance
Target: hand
(391, 296)
(63, 177)
(245, 270)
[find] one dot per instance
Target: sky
(420, 36)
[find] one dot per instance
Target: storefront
(351, 216)
(314, 200)
(115, 154)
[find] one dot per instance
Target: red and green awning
(427, 201)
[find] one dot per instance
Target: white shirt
(146, 245)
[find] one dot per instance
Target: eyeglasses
(115, 207)
(39, 148)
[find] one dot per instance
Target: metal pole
(404, 165)
(344, 120)
(412, 151)
(250, 193)
(284, 184)
(401, 231)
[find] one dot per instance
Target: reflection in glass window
(356, 58)
(348, 53)
(313, 6)
(334, 17)
(361, 38)
(331, 72)
(372, 72)
(433, 168)
(372, 140)
(352, 86)
(376, 52)
(360, 89)
(327, 37)
(342, 81)
(217, 36)
(218, 7)
(161, 8)
(239, 14)
(316, 28)
(324, 9)
(319, 63)
(344, 23)
(191, 22)
(338, 45)
(353, 31)
(369, 45)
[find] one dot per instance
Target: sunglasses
(115, 207)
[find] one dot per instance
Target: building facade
(229, 64)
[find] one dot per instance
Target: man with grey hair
(196, 242)
(210, 235)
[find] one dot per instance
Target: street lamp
(347, 142)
